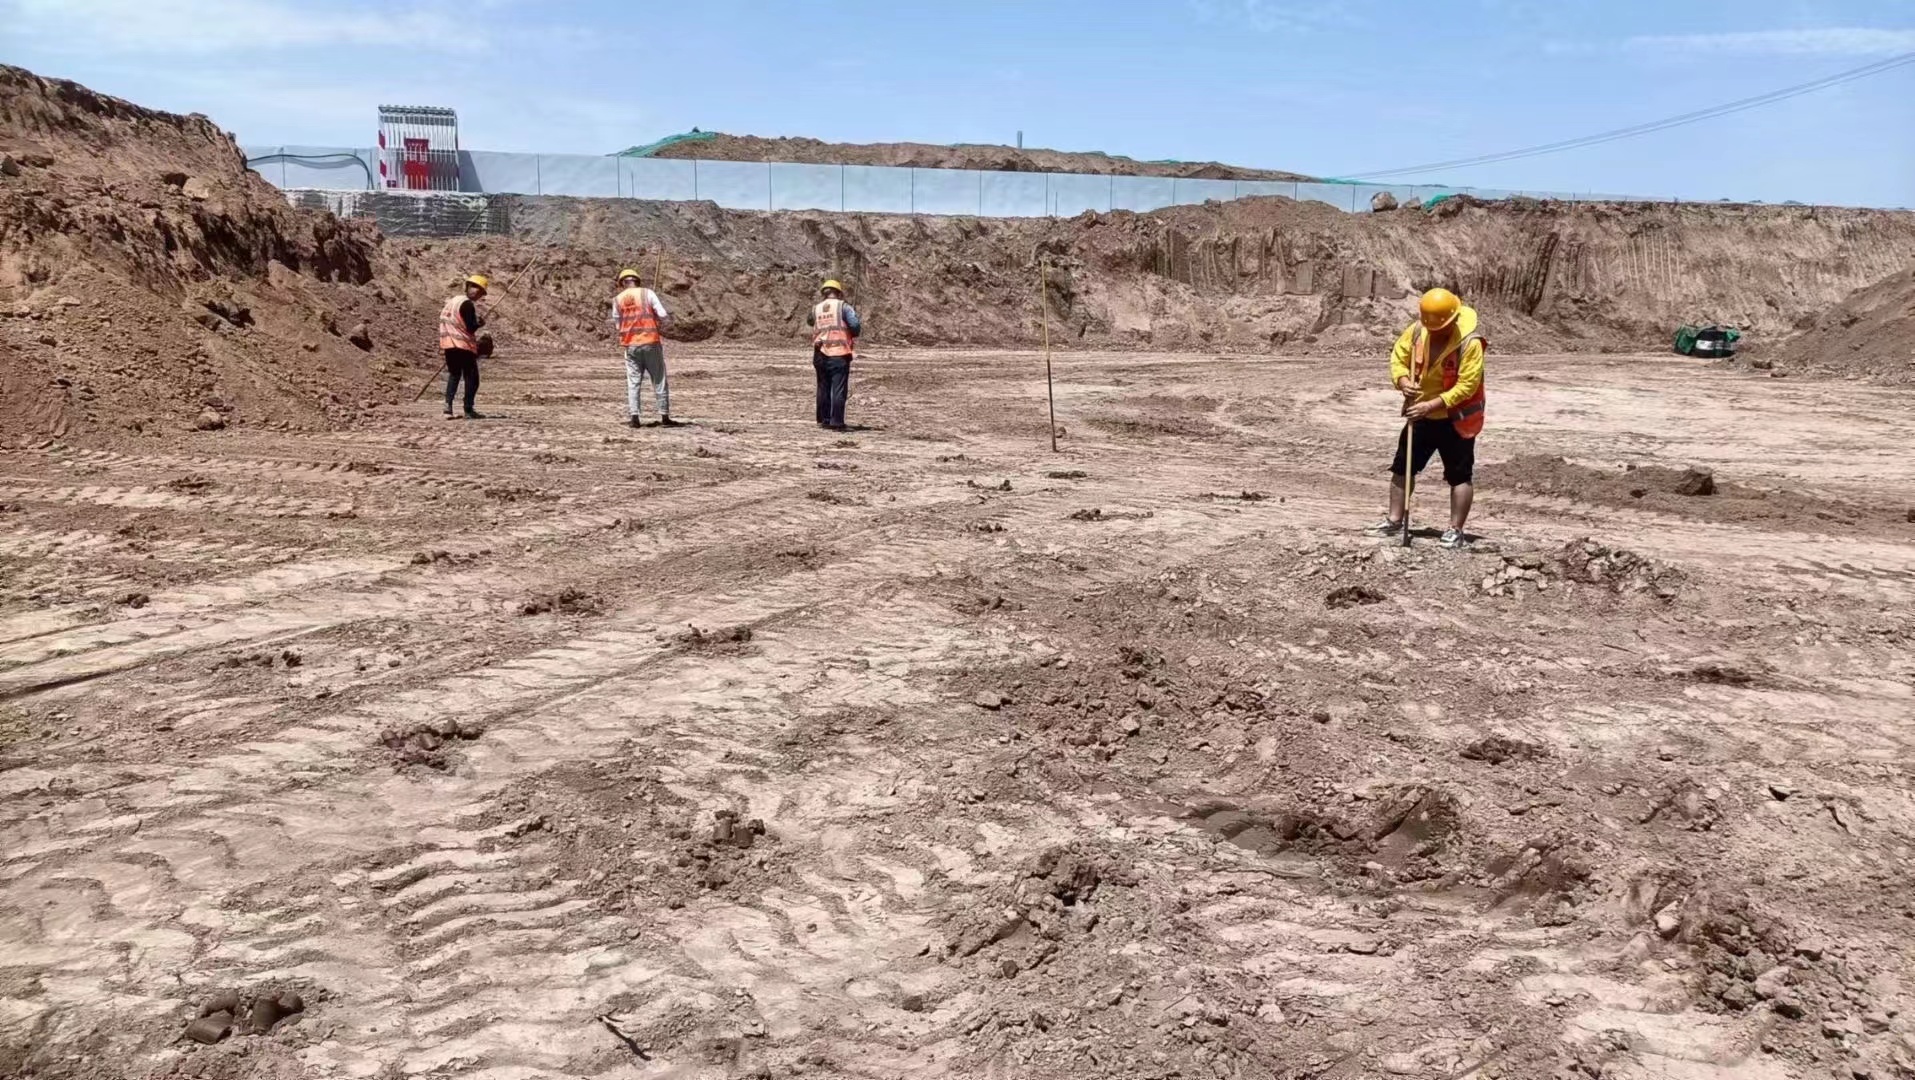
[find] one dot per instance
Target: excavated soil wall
(1246, 275)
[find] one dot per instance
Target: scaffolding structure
(418, 148)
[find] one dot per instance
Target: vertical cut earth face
(1254, 275)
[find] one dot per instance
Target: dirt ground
(539, 746)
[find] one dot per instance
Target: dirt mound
(963, 156)
(1694, 493)
(146, 277)
(1869, 335)
(1249, 275)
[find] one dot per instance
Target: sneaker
(1455, 539)
(470, 415)
(1386, 527)
(636, 423)
(666, 421)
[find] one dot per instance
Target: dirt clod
(1497, 749)
(432, 746)
(1697, 482)
(567, 601)
(209, 420)
(211, 1028)
(224, 1001)
(724, 640)
(1352, 596)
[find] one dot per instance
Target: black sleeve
(469, 314)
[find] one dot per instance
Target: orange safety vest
(637, 319)
(829, 335)
(452, 331)
(1468, 414)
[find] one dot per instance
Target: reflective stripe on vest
(452, 331)
(1467, 416)
(637, 319)
(829, 334)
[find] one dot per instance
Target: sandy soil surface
(540, 746)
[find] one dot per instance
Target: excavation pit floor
(541, 746)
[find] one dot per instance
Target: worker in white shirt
(638, 315)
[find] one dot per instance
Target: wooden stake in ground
(1409, 473)
(1044, 309)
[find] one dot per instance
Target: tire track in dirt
(473, 923)
(512, 687)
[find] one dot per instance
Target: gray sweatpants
(643, 360)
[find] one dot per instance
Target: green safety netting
(670, 140)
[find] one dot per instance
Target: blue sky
(1329, 88)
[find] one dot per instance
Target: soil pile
(1248, 275)
(1695, 493)
(1869, 335)
(963, 156)
(148, 280)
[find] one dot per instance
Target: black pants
(1439, 437)
(834, 386)
(461, 364)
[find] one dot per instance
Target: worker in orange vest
(834, 330)
(459, 324)
(638, 314)
(1437, 365)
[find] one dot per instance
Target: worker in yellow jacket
(1437, 365)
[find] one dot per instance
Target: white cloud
(201, 27)
(1825, 41)
(1270, 16)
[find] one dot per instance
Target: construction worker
(638, 315)
(1437, 365)
(459, 324)
(834, 329)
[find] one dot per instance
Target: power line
(1654, 126)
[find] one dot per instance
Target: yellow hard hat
(633, 274)
(831, 284)
(1438, 309)
(480, 280)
